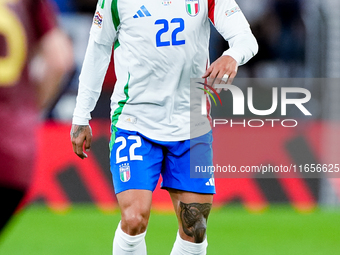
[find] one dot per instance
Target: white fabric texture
(182, 247)
(124, 244)
(90, 83)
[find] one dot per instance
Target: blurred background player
(34, 56)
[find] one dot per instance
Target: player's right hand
(81, 134)
(223, 67)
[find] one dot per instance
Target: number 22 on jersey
(165, 29)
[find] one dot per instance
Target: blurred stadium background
(71, 208)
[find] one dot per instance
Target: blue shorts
(137, 162)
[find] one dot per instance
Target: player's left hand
(222, 67)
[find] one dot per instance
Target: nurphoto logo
(302, 96)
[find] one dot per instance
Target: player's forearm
(243, 47)
(91, 79)
(234, 27)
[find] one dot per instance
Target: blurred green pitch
(84, 230)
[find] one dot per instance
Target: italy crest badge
(192, 7)
(124, 171)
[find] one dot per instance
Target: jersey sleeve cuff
(80, 121)
(235, 55)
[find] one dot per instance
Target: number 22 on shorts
(132, 155)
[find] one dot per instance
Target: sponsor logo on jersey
(166, 3)
(193, 7)
(124, 171)
(98, 19)
(142, 12)
(232, 11)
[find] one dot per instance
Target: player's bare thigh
(135, 210)
(192, 210)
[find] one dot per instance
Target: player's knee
(135, 222)
(194, 220)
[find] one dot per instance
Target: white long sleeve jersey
(159, 45)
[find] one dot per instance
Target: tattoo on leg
(194, 218)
